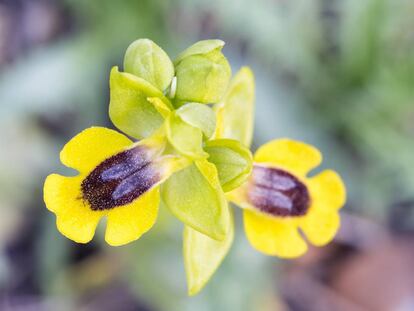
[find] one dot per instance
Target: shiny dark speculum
(119, 179)
(277, 192)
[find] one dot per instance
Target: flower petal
(200, 116)
(274, 236)
(319, 226)
(185, 138)
(327, 190)
(200, 47)
(203, 73)
(194, 196)
(127, 223)
(147, 60)
(235, 114)
(74, 218)
(203, 256)
(91, 146)
(294, 156)
(232, 160)
(129, 108)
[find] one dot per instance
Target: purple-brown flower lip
(276, 192)
(120, 179)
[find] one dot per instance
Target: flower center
(277, 192)
(120, 179)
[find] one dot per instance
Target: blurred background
(335, 73)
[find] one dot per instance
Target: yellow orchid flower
(117, 179)
(279, 199)
(124, 180)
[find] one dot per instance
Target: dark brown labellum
(277, 192)
(120, 179)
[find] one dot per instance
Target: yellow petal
(127, 223)
(274, 236)
(74, 218)
(327, 190)
(319, 226)
(294, 156)
(238, 196)
(91, 146)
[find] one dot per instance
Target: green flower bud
(202, 72)
(148, 61)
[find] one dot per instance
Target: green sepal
(147, 60)
(129, 108)
(200, 47)
(162, 108)
(203, 256)
(203, 73)
(200, 116)
(194, 196)
(233, 161)
(185, 138)
(235, 114)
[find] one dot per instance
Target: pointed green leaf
(194, 196)
(148, 61)
(185, 138)
(200, 116)
(235, 114)
(203, 256)
(129, 108)
(232, 159)
(202, 72)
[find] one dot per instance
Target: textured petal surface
(91, 146)
(200, 116)
(327, 190)
(235, 114)
(129, 108)
(185, 138)
(74, 218)
(203, 73)
(147, 60)
(200, 47)
(232, 160)
(194, 196)
(203, 256)
(127, 223)
(274, 236)
(294, 156)
(319, 226)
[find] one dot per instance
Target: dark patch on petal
(120, 179)
(277, 192)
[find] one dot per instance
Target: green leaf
(235, 114)
(185, 138)
(202, 72)
(233, 161)
(148, 61)
(129, 108)
(200, 116)
(194, 196)
(203, 256)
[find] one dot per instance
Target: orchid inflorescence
(194, 126)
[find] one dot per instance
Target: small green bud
(199, 116)
(232, 160)
(202, 72)
(148, 61)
